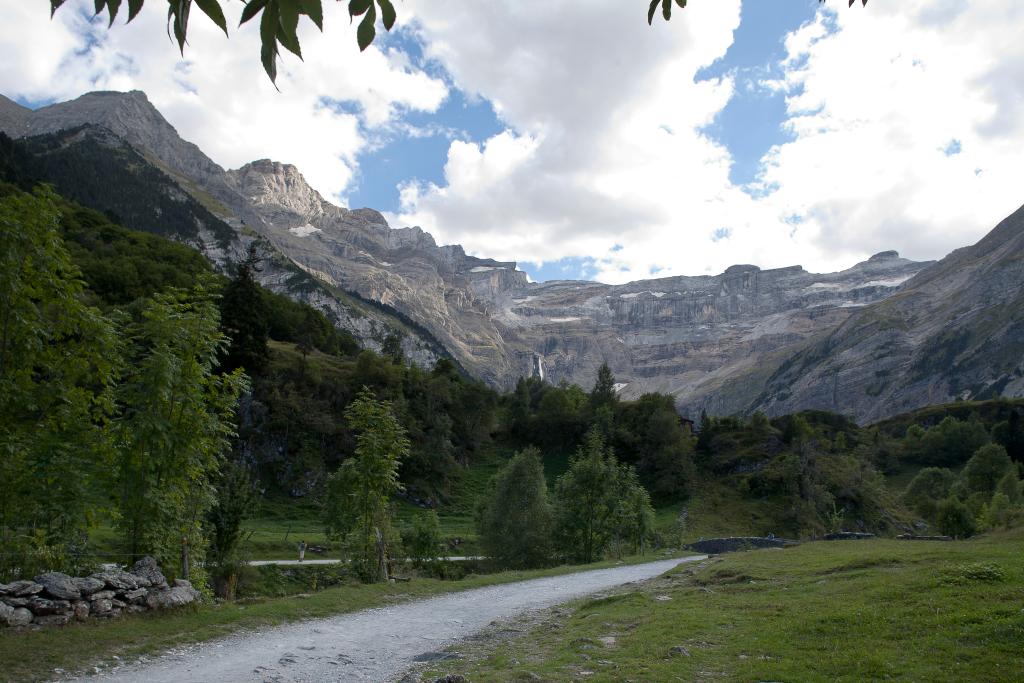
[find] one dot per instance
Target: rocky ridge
(128, 127)
(720, 343)
(955, 331)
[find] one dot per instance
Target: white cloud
(218, 96)
(603, 141)
(875, 103)
(605, 117)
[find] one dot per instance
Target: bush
(948, 444)
(954, 519)
(976, 572)
(986, 468)
(422, 540)
(931, 485)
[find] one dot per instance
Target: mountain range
(883, 336)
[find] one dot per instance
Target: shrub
(986, 467)
(954, 519)
(931, 485)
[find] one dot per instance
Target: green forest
(151, 406)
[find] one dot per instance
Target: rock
(52, 620)
(89, 585)
(6, 614)
(3, 589)
(15, 602)
(118, 580)
(452, 678)
(101, 607)
(43, 606)
(118, 604)
(171, 597)
(23, 589)
(103, 595)
(679, 651)
(81, 610)
(22, 617)
(136, 596)
(60, 586)
(149, 571)
(182, 583)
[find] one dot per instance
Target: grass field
(841, 611)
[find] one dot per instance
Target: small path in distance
(376, 644)
(261, 563)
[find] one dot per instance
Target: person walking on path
(302, 550)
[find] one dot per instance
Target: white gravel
(376, 644)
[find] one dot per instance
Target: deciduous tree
(514, 519)
(177, 416)
(357, 509)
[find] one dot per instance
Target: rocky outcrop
(55, 599)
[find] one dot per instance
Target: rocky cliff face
(723, 343)
(954, 331)
(122, 134)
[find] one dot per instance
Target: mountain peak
(885, 255)
(275, 183)
(13, 117)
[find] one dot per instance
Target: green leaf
(357, 7)
(366, 31)
(252, 8)
(54, 6)
(177, 17)
(112, 7)
(651, 10)
(211, 8)
(99, 5)
(315, 11)
(666, 9)
(288, 11)
(269, 23)
(134, 7)
(681, 3)
(387, 13)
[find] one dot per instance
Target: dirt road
(372, 645)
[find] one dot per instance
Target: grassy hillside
(840, 611)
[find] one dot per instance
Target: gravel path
(376, 644)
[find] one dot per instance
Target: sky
(580, 142)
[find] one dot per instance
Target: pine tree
(603, 393)
(244, 318)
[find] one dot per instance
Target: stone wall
(712, 546)
(55, 599)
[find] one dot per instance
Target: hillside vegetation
(799, 475)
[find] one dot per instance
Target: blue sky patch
(570, 268)
(417, 147)
(752, 122)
